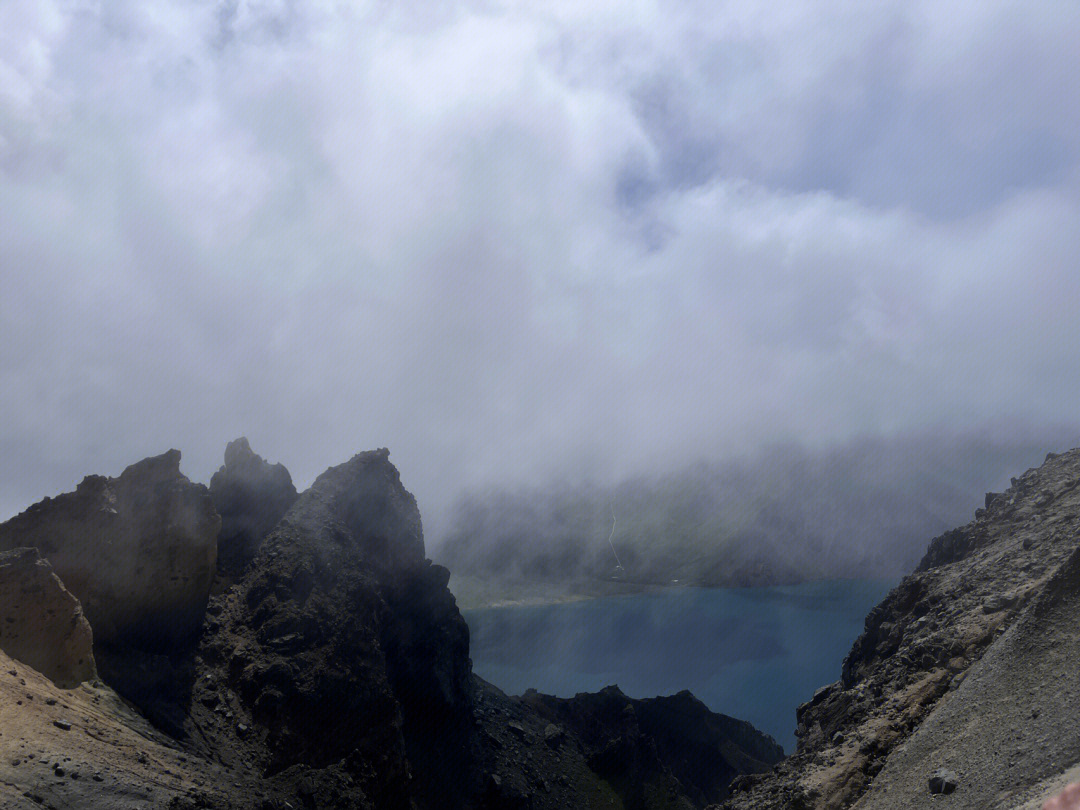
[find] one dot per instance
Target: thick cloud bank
(509, 238)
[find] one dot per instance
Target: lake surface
(752, 653)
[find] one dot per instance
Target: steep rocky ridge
(664, 745)
(339, 618)
(330, 669)
(1002, 730)
(987, 621)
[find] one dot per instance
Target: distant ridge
(863, 510)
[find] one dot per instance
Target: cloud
(511, 240)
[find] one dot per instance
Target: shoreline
(489, 597)
(473, 595)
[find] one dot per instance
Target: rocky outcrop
(672, 745)
(998, 735)
(251, 495)
(341, 646)
(955, 667)
(41, 623)
(332, 673)
(139, 551)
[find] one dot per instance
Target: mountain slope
(970, 663)
(1002, 730)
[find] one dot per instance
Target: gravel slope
(1012, 723)
(969, 663)
(108, 756)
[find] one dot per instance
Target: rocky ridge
(967, 665)
(139, 551)
(337, 619)
(659, 746)
(329, 667)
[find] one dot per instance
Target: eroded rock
(343, 644)
(41, 622)
(139, 551)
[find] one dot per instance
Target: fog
(515, 242)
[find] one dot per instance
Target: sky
(520, 240)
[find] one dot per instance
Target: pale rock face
(41, 622)
(139, 551)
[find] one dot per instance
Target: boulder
(553, 734)
(41, 623)
(944, 781)
(251, 495)
(139, 551)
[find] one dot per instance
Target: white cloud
(507, 239)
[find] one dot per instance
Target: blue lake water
(752, 653)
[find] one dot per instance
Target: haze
(517, 241)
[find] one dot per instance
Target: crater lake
(752, 653)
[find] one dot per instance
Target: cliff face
(341, 643)
(329, 669)
(139, 551)
(47, 630)
(969, 664)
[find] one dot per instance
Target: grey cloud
(511, 242)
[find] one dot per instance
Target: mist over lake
(753, 653)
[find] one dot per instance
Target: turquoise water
(753, 653)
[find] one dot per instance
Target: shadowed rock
(333, 673)
(344, 646)
(659, 744)
(41, 623)
(139, 551)
(251, 495)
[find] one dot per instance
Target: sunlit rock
(41, 623)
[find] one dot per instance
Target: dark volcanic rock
(706, 750)
(644, 745)
(333, 673)
(138, 551)
(943, 781)
(343, 646)
(251, 496)
(41, 623)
